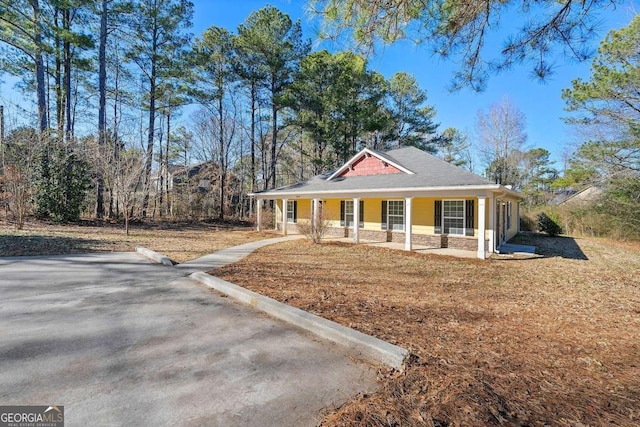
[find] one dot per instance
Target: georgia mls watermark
(31, 416)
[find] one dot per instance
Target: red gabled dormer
(368, 162)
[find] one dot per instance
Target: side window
(347, 213)
(395, 215)
(453, 217)
(292, 211)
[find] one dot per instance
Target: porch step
(512, 248)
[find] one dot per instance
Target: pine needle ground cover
(179, 242)
(545, 341)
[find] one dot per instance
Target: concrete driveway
(120, 341)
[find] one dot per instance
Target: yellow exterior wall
(304, 210)
(372, 214)
(488, 226)
(513, 230)
(278, 212)
(423, 213)
(331, 212)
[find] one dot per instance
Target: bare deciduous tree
(315, 227)
(18, 155)
(501, 138)
(124, 174)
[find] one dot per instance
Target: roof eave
(493, 188)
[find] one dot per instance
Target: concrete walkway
(229, 255)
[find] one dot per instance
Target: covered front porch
(472, 226)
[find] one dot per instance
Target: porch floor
(460, 253)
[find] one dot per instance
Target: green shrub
(548, 225)
(527, 222)
(61, 182)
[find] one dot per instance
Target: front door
(501, 223)
(504, 223)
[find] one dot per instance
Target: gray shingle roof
(429, 171)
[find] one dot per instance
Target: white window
(348, 213)
(453, 217)
(291, 211)
(395, 215)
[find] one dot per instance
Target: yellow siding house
(404, 195)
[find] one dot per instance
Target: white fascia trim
(397, 192)
(372, 153)
(496, 189)
(504, 191)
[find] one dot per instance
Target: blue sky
(540, 102)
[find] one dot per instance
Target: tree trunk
(264, 159)
(222, 166)
(102, 107)
(150, 136)
(158, 201)
(116, 143)
(58, 78)
(166, 160)
(254, 96)
(39, 62)
(274, 142)
(126, 218)
(111, 203)
(66, 22)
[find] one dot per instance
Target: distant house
(559, 196)
(194, 190)
(199, 177)
(583, 198)
(403, 195)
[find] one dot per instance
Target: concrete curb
(155, 256)
(369, 346)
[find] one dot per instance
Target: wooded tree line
(124, 95)
(261, 105)
(605, 110)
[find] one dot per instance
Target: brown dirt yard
(180, 242)
(546, 341)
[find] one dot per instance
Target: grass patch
(545, 341)
(180, 242)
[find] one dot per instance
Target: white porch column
(408, 224)
(481, 226)
(275, 214)
(315, 215)
(492, 223)
(259, 215)
(356, 220)
(284, 217)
